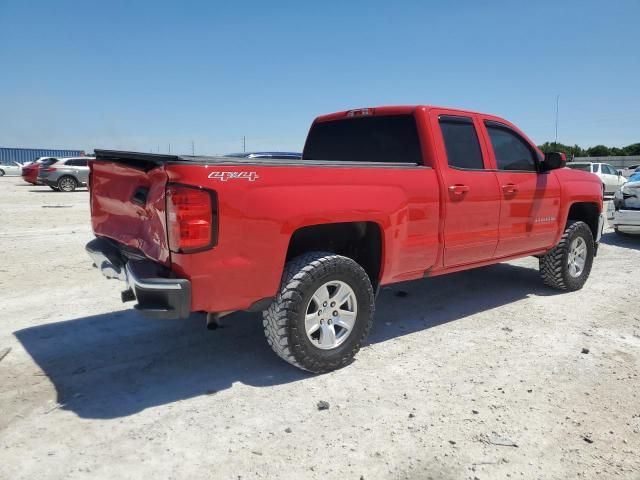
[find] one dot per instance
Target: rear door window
(385, 138)
(76, 162)
(461, 143)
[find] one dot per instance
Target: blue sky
(141, 75)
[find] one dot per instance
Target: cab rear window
(388, 138)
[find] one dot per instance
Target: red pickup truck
(381, 195)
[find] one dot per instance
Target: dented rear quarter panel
(115, 216)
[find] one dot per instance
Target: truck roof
(158, 159)
(388, 110)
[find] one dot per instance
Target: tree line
(596, 151)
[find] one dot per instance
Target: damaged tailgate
(128, 201)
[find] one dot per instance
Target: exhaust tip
(213, 321)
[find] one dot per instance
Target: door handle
(458, 189)
(509, 188)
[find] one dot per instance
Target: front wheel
(67, 184)
(322, 314)
(568, 264)
(1, 173)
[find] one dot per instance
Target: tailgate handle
(140, 196)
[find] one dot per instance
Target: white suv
(611, 178)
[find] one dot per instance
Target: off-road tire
(554, 266)
(62, 185)
(283, 321)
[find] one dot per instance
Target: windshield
(389, 138)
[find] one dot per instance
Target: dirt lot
(459, 370)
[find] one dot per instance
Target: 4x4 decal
(224, 176)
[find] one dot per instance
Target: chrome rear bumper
(157, 294)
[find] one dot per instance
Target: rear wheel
(568, 264)
(322, 313)
(67, 184)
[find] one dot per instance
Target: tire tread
(298, 272)
(552, 264)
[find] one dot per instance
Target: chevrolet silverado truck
(380, 195)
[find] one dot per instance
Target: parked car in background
(14, 169)
(611, 178)
(37, 160)
(65, 174)
(30, 170)
(624, 212)
(30, 173)
(267, 155)
(628, 171)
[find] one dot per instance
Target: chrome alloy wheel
(577, 257)
(67, 184)
(331, 315)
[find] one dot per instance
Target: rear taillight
(191, 218)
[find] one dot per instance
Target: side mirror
(619, 173)
(552, 161)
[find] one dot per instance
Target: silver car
(65, 174)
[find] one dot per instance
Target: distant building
(22, 155)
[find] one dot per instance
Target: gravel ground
(481, 374)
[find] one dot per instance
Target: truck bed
(151, 160)
(260, 204)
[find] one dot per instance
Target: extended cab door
(530, 201)
(471, 195)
